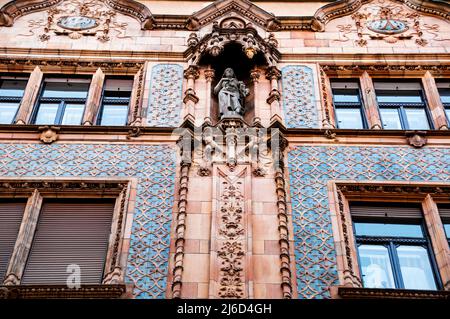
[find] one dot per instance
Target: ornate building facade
(224, 149)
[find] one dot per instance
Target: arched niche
(233, 56)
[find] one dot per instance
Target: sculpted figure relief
(231, 93)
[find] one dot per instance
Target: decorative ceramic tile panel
(166, 98)
(311, 167)
(300, 110)
(153, 165)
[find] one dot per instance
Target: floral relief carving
(77, 18)
(231, 238)
(389, 22)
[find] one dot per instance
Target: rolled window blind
(444, 211)
(70, 232)
(11, 214)
(366, 210)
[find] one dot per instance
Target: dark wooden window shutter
(398, 211)
(70, 232)
(11, 214)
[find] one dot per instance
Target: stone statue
(231, 93)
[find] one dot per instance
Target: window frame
(401, 107)
(392, 243)
(104, 100)
(446, 106)
(36, 190)
(14, 98)
(62, 101)
(348, 105)
(426, 194)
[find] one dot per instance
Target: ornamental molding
(62, 292)
(246, 35)
(15, 9)
(337, 68)
(389, 21)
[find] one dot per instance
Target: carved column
(434, 102)
(370, 102)
(180, 219)
(94, 97)
(278, 145)
(438, 239)
(329, 120)
(209, 76)
(29, 97)
(190, 96)
(24, 240)
(274, 98)
(254, 76)
(135, 114)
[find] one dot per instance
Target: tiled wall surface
(152, 165)
(311, 167)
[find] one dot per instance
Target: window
(444, 92)
(444, 212)
(11, 213)
(70, 232)
(115, 102)
(62, 101)
(402, 105)
(393, 247)
(11, 93)
(348, 105)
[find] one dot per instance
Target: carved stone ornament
(77, 18)
(231, 93)
(48, 134)
(416, 138)
(388, 21)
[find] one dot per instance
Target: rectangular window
(70, 232)
(12, 89)
(62, 101)
(348, 105)
(402, 105)
(115, 101)
(393, 247)
(444, 212)
(11, 213)
(444, 91)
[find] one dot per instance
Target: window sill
(62, 292)
(374, 293)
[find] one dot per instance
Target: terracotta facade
(252, 206)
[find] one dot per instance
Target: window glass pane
(12, 88)
(399, 97)
(7, 112)
(445, 95)
(447, 230)
(114, 114)
(447, 111)
(417, 119)
(390, 119)
(388, 230)
(349, 118)
(416, 268)
(343, 96)
(65, 90)
(376, 267)
(47, 113)
(73, 114)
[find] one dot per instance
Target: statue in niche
(231, 93)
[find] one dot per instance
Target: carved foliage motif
(153, 166)
(165, 95)
(300, 110)
(311, 167)
(389, 22)
(231, 237)
(77, 18)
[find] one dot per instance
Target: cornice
(245, 8)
